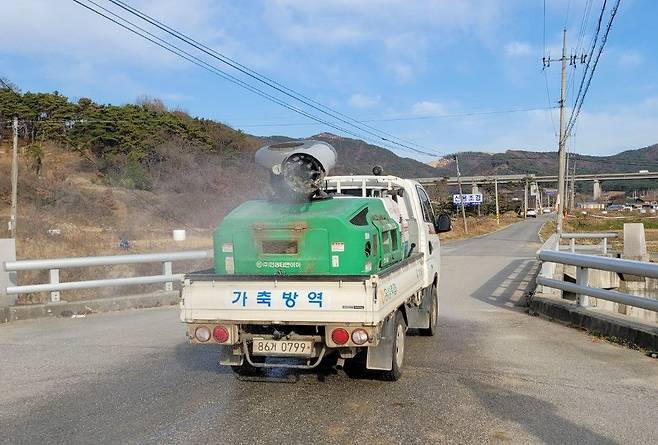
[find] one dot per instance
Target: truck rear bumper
(240, 345)
(310, 362)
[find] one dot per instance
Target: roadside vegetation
(478, 225)
(597, 222)
(91, 176)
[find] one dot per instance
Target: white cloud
(45, 28)
(359, 100)
(348, 21)
(427, 107)
(77, 50)
(518, 49)
(630, 59)
(603, 132)
(403, 72)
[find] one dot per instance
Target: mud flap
(380, 357)
(226, 357)
(418, 317)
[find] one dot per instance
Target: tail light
(202, 334)
(340, 336)
(221, 334)
(359, 336)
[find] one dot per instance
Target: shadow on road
(199, 358)
(509, 287)
(537, 417)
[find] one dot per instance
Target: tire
(398, 350)
(356, 367)
(434, 314)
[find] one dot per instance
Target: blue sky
(367, 59)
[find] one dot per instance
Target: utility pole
(461, 194)
(562, 154)
(567, 185)
(14, 180)
(572, 202)
(525, 200)
(496, 193)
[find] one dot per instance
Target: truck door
(431, 239)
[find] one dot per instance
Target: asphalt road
(492, 375)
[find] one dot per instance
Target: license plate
(282, 347)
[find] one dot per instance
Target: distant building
(615, 196)
(591, 205)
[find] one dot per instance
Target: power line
(548, 97)
(586, 81)
(544, 57)
(399, 119)
(217, 71)
(566, 18)
(391, 119)
(544, 29)
(265, 80)
(583, 25)
(587, 65)
(579, 42)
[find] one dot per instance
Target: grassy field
(478, 226)
(593, 222)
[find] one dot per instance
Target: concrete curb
(67, 309)
(606, 324)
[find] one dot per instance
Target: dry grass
(91, 218)
(547, 229)
(479, 225)
(606, 223)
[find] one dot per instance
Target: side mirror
(443, 223)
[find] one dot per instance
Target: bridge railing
(54, 265)
(603, 236)
(550, 256)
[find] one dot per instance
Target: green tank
(334, 236)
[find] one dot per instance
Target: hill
(358, 157)
(92, 165)
(545, 163)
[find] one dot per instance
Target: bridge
(493, 374)
(506, 179)
(597, 179)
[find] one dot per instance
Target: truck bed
(300, 299)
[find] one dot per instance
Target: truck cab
(416, 217)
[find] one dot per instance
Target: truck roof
(340, 207)
(369, 181)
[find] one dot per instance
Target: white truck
(364, 317)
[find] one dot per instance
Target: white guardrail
(550, 255)
(604, 237)
(54, 265)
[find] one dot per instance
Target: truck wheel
(398, 350)
(434, 314)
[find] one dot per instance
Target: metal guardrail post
(604, 246)
(54, 287)
(572, 244)
(582, 279)
(167, 270)
(583, 264)
(54, 279)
